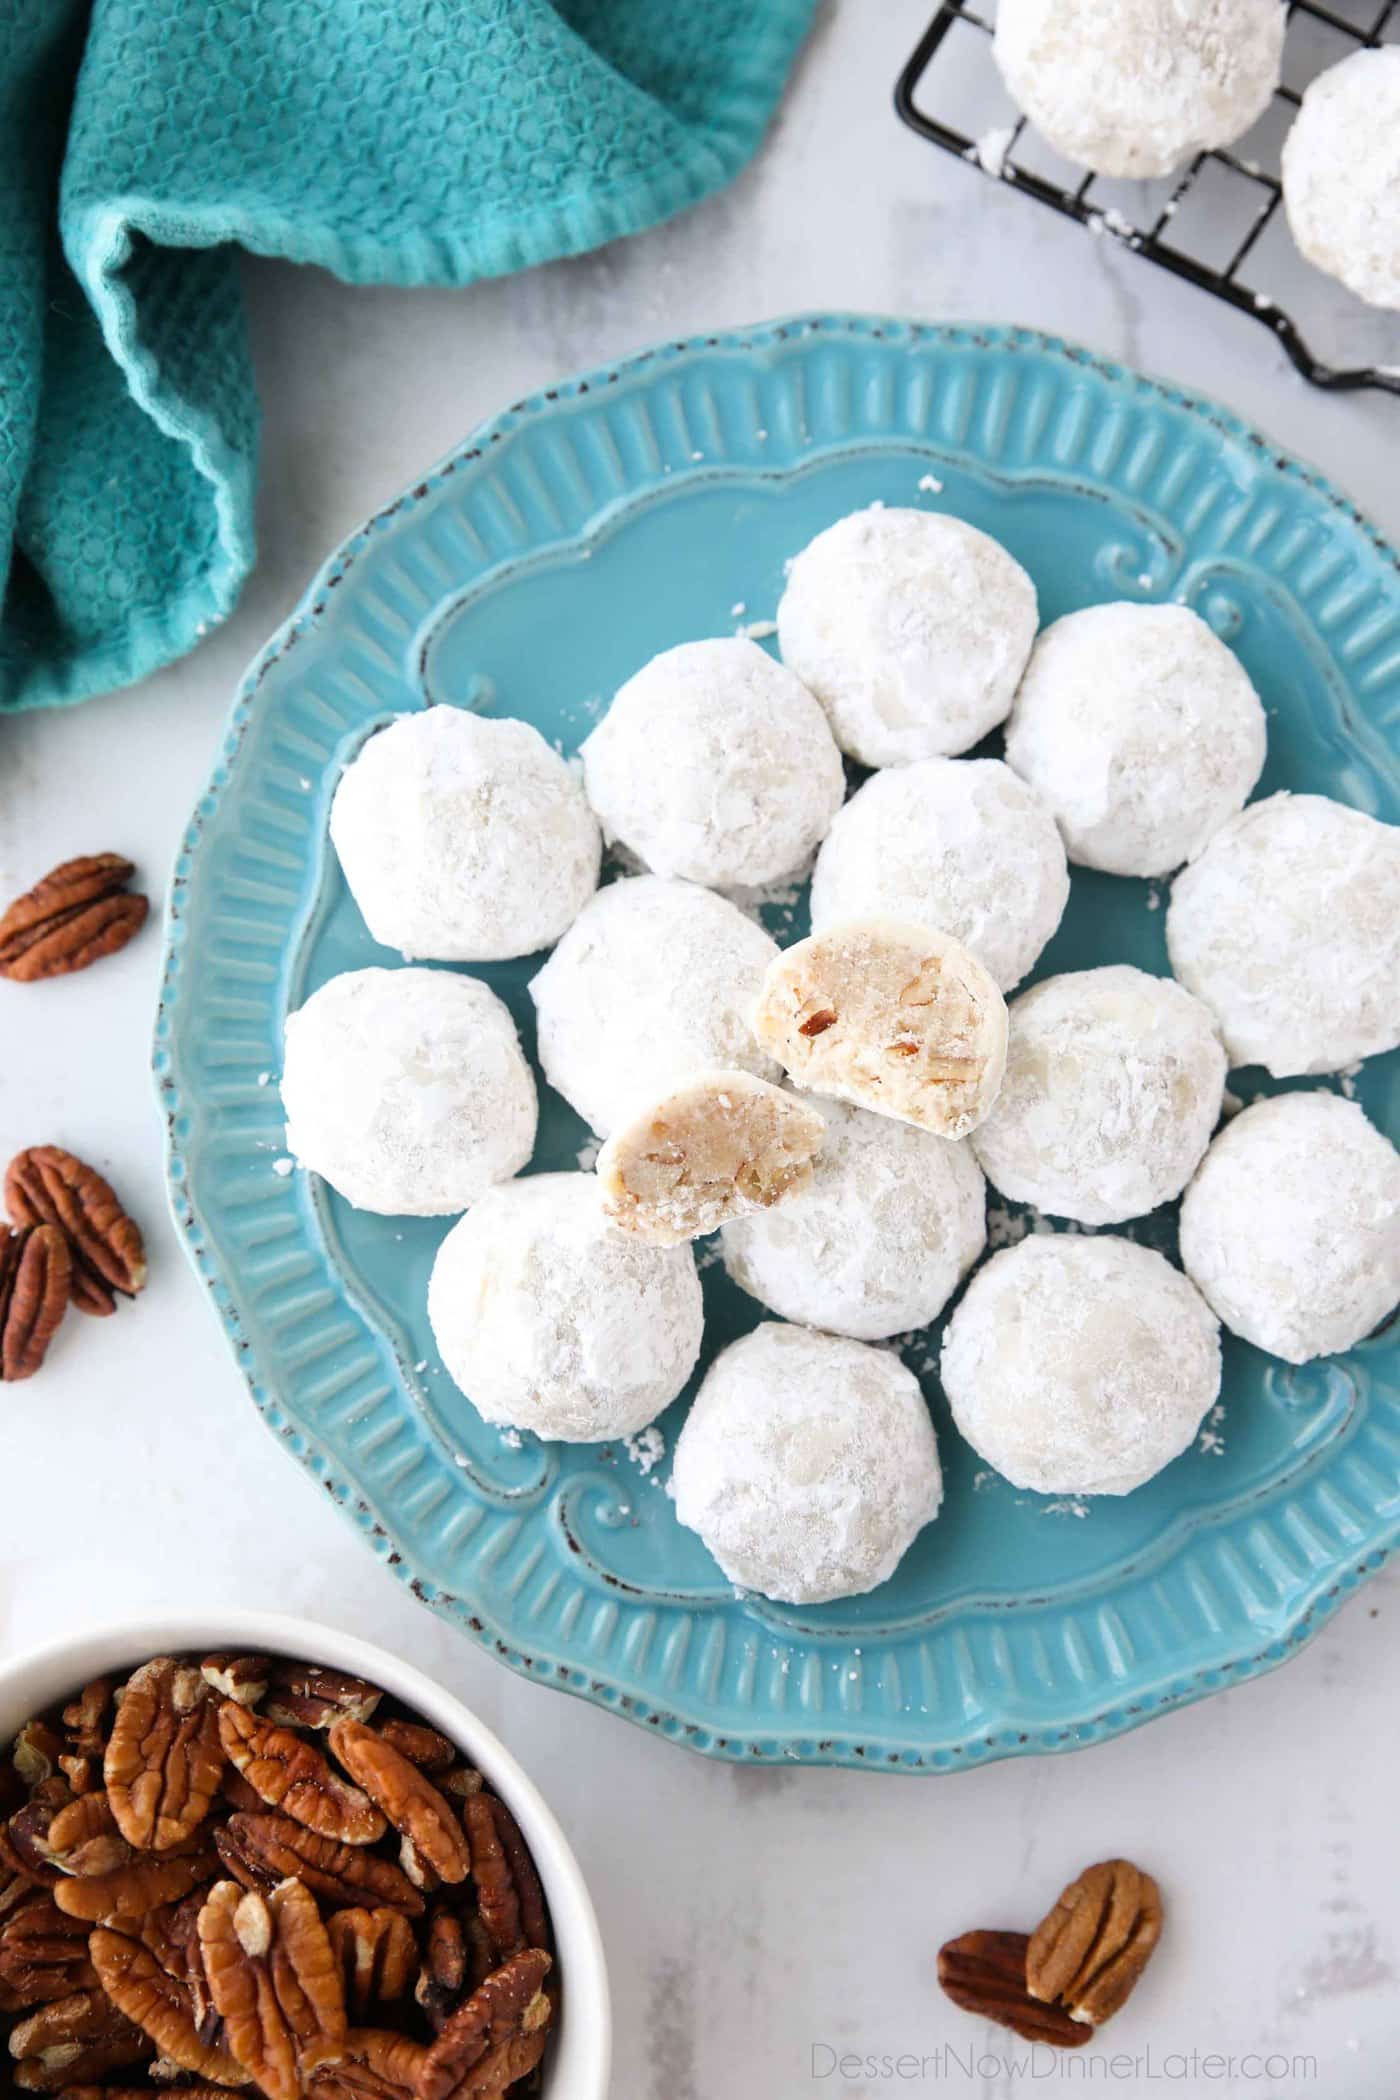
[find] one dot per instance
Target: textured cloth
(401, 141)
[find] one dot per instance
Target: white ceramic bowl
(580, 2054)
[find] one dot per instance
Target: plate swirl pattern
(568, 540)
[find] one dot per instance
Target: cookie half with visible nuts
(891, 1016)
(719, 1147)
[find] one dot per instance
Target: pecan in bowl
(256, 1857)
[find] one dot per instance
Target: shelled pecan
(291, 1774)
(79, 912)
(509, 1898)
(378, 1957)
(496, 2037)
(303, 1695)
(163, 1757)
(985, 1973)
(1089, 1950)
(44, 1185)
(220, 1902)
(408, 1798)
(36, 1273)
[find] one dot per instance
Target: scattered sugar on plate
(756, 630)
(646, 1449)
(930, 485)
(284, 1166)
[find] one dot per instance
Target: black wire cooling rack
(1157, 218)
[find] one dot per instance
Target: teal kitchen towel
(399, 141)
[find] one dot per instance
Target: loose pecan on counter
(79, 912)
(985, 1973)
(44, 1185)
(36, 1273)
(1088, 1952)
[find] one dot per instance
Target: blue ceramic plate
(568, 540)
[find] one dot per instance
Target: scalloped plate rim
(833, 1744)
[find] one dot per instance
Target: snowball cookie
(1113, 1085)
(1136, 87)
(1341, 174)
(407, 1090)
(960, 844)
(716, 764)
(890, 1016)
(653, 983)
(715, 1147)
(807, 1464)
(551, 1319)
(890, 1222)
(1141, 730)
(1079, 1366)
(1291, 1228)
(464, 839)
(911, 629)
(1288, 926)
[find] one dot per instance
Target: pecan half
(273, 1978)
(368, 2064)
(125, 1895)
(442, 1978)
(410, 1800)
(291, 1774)
(1092, 1946)
(47, 1186)
(259, 1851)
(83, 1838)
(36, 1274)
(43, 1955)
(85, 2018)
(78, 913)
(495, 2038)
(303, 1695)
(159, 2004)
(242, 1678)
(985, 1973)
(377, 1956)
(508, 1893)
(49, 2070)
(164, 1756)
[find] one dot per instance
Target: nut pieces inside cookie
(153, 1929)
(1064, 1980)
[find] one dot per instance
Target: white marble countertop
(752, 1917)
